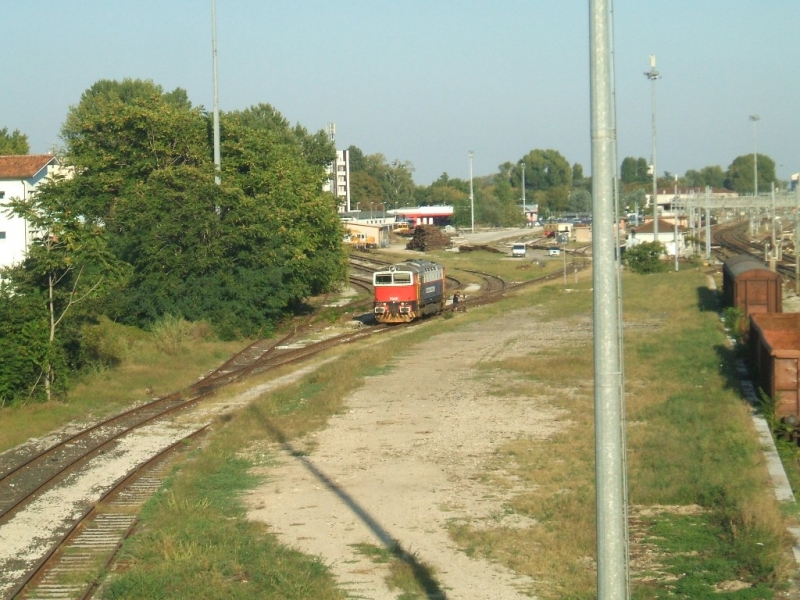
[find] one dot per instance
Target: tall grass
(690, 443)
(131, 366)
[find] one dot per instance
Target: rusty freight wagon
(775, 341)
(748, 284)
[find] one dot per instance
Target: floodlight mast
(470, 154)
(217, 156)
(653, 75)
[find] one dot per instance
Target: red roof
(23, 166)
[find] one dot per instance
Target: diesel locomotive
(408, 291)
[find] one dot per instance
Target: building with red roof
(20, 176)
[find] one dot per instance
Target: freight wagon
(775, 345)
(748, 284)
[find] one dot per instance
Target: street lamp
(653, 75)
(471, 195)
(524, 208)
(755, 119)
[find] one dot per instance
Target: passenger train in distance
(408, 291)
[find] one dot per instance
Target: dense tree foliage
(712, 176)
(368, 172)
(142, 231)
(740, 176)
(13, 143)
(645, 258)
(635, 170)
(67, 267)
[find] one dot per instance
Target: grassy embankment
(165, 360)
(704, 522)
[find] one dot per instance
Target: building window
(2, 235)
(2, 194)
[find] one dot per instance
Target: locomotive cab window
(402, 278)
(383, 279)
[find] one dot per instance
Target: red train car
(408, 291)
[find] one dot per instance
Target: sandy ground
(406, 459)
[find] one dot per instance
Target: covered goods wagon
(748, 284)
(775, 340)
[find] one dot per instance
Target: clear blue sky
(426, 81)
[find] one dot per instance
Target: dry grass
(690, 443)
(143, 371)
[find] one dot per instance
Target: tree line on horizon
(550, 182)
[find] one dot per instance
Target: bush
(645, 258)
(171, 334)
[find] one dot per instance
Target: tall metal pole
(708, 223)
(217, 157)
(471, 195)
(797, 239)
(612, 567)
(755, 119)
(653, 75)
(675, 216)
(524, 208)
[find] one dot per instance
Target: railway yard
(420, 460)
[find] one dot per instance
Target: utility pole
(797, 239)
(611, 494)
(524, 208)
(471, 195)
(653, 75)
(675, 216)
(755, 119)
(217, 156)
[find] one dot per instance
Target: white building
(20, 176)
(339, 180)
(666, 235)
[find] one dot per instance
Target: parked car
(518, 250)
(554, 252)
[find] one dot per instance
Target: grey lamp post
(755, 119)
(471, 194)
(653, 75)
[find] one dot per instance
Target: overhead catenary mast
(217, 157)
(612, 568)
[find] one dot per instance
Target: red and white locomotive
(408, 291)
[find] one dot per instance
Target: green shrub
(645, 258)
(171, 333)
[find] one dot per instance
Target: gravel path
(406, 460)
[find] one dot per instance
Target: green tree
(579, 201)
(13, 143)
(712, 176)
(356, 156)
(740, 174)
(644, 258)
(67, 266)
(364, 190)
(635, 170)
(241, 254)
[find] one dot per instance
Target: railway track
(734, 239)
(95, 528)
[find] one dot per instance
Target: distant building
(20, 176)
(666, 235)
(424, 215)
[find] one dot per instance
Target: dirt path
(406, 459)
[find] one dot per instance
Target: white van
(518, 250)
